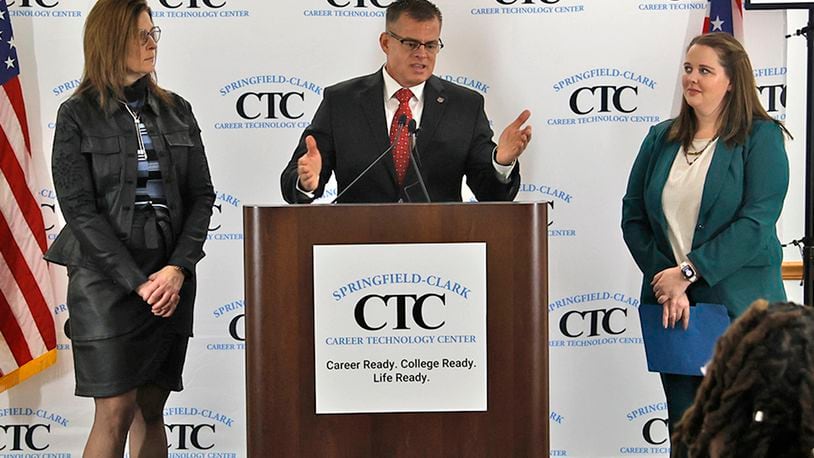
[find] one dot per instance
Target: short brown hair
(420, 10)
(110, 28)
(741, 105)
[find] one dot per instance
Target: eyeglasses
(154, 33)
(432, 47)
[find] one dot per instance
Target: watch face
(687, 271)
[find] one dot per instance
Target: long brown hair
(741, 105)
(111, 28)
(757, 398)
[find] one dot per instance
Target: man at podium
(402, 133)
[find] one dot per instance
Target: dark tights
(139, 412)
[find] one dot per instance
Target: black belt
(156, 223)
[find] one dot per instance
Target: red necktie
(401, 150)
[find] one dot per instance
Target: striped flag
(27, 334)
(725, 16)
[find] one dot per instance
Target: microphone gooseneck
(400, 127)
(412, 129)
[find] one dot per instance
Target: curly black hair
(757, 398)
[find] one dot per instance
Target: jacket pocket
(104, 154)
(767, 254)
(179, 144)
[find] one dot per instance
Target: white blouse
(681, 196)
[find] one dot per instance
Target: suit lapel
(435, 102)
(371, 100)
(661, 170)
(715, 176)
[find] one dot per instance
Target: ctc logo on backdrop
(28, 3)
(401, 300)
(190, 436)
(237, 327)
(18, 438)
(577, 323)
(269, 105)
(216, 208)
(223, 210)
(49, 212)
(774, 97)
(175, 4)
(359, 3)
(603, 99)
(654, 431)
(528, 2)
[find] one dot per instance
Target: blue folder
(676, 351)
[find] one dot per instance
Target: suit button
(126, 207)
(700, 226)
(129, 181)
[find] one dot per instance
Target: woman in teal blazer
(703, 198)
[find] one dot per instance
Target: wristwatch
(688, 271)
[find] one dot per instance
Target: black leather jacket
(94, 165)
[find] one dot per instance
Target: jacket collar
(152, 102)
(715, 180)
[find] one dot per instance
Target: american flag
(725, 16)
(27, 334)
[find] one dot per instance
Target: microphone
(401, 122)
(412, 130)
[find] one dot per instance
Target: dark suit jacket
(454, 140)
(735, 246)
(95, 169)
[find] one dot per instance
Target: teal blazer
(735, 248)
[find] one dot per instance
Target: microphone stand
(402, 122)
(412, 130)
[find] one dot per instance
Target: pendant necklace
(142, 151)
(696, 154)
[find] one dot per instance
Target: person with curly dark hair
(757, 398)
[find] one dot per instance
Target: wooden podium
(280, 392)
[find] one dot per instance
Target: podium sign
(400, 328)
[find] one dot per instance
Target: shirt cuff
(309, 194)
(503, 172)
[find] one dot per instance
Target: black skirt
(117, 343)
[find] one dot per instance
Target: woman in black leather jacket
(133, 185)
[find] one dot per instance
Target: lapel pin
(440, 100)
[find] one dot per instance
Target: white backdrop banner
(596, 74)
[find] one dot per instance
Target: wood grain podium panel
(280, 333)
